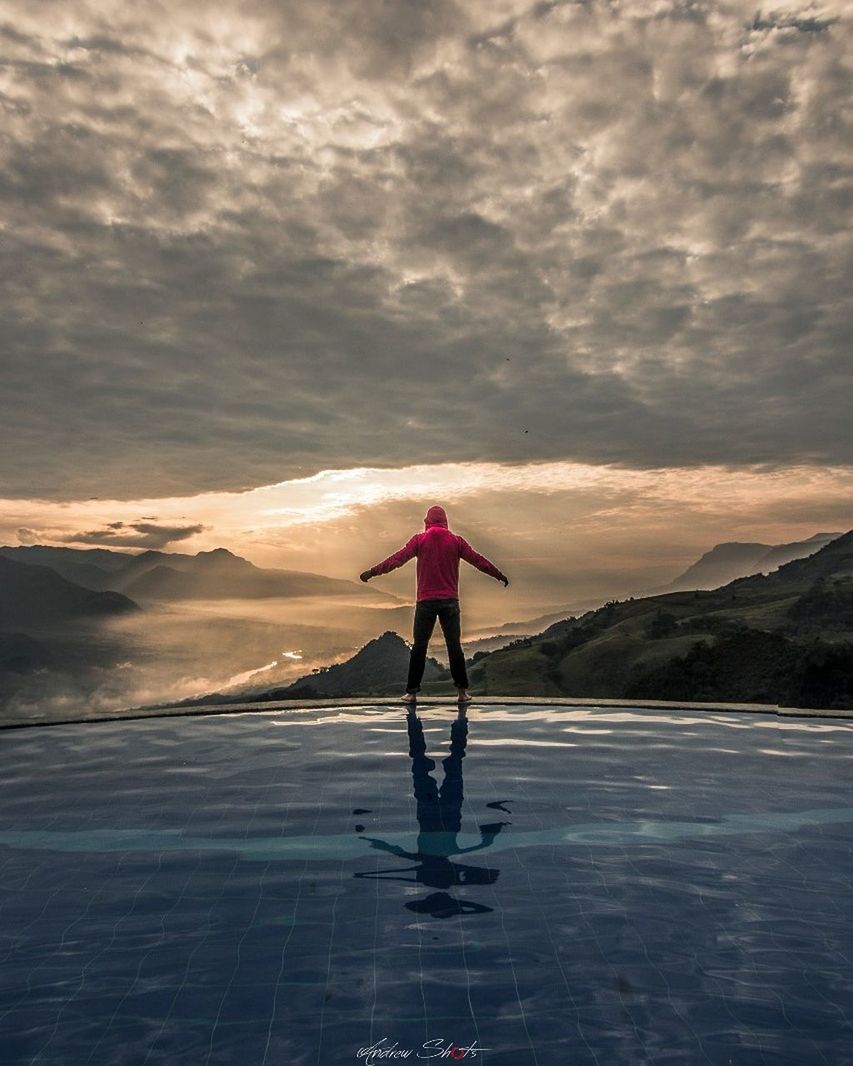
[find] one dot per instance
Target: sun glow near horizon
(541, 514)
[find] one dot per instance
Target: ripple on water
(587, 886)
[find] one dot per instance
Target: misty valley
(92, 631)
(88, 632)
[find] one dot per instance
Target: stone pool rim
(568, 702)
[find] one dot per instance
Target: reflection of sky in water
(563, 886)
(337, 845)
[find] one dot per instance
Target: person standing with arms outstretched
(438, 552)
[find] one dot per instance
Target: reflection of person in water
(439, 813)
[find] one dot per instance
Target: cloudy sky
(277, 276)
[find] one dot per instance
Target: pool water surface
(524, 884)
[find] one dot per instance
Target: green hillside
(784, 638)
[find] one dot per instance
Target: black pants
(426, 612)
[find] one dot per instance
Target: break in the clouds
(249, 242)
(565, 533)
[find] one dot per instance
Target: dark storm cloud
(138, 535)
(784, 22)
(247, 244)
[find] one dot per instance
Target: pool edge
(137, 713)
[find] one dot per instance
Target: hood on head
(435, 516)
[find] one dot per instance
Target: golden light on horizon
(539, 513)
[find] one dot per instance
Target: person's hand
(493, 828)
(505, 580)
(365, 576)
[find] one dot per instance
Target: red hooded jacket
(438, 552)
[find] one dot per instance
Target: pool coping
(197, 710)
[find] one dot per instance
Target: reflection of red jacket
(438, 553)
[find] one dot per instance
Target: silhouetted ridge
(92, 568)
(834, 559)
(154, 575)
(35, 597)
(784, 637)
(734, 559)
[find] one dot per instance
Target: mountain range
(733, 559)
(156, 576)
(79, 622)
(35, 598)
(721, 564)
(782, 638)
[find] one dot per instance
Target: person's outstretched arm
(487, 837)
(480, 561)
(408, 551)
(393, 849)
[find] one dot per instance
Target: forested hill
(784, 638)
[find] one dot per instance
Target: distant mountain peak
(729, 547)
(377, 648)
(388, 637)
(222, 557)
(734, 559)
(824, 536)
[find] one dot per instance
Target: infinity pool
(524, 885)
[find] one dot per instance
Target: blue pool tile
(193, 908)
